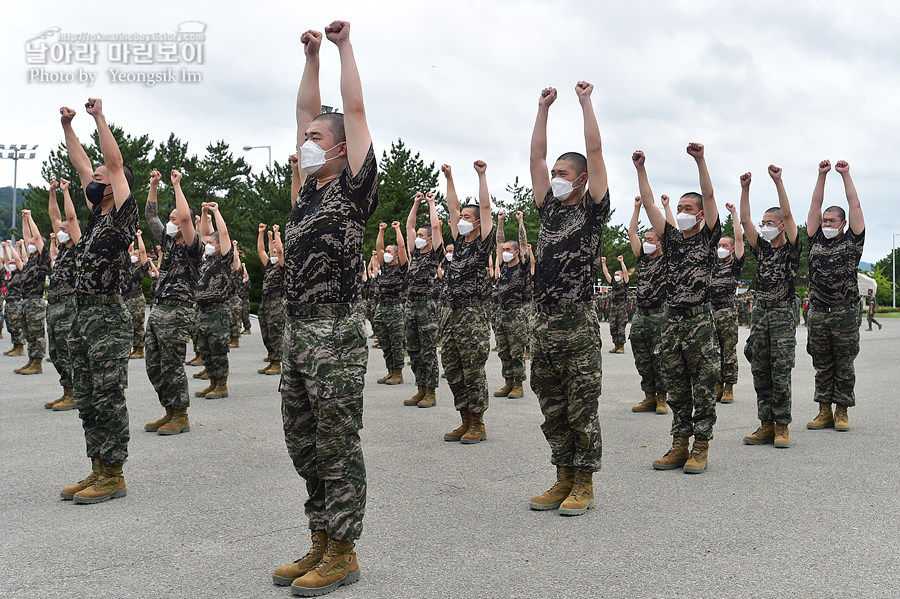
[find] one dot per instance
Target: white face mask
(312, 156)
(388, 258)
(768, 233)
(649, 248)
(62, 237)
(273, 259)
(723, 253)
(134, 259)
(152, 275)
(830, 233)
(449, 256)
(11, 268)
(508, 256)
(465, 227)
(561, 188)
(172, 229)
(421, 243)
(686, 221)
(210, 249)
(32, 248)
(618, 278)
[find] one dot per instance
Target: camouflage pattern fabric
(466, 345)
(102, 256)
(245, 305)
(212, 338)
(646, 345)
(99, 348)
(770, 351)
(32, 311)
(137, 307)
(833, 343)
(60, 318)
(833, 265)
(389, 327)
(618, 321)
(167, 335)
(421, 340)
(725, 320)
(689, 264)
(234, 303)
(322, 381)
(566, 375)
(513, 333)
(691, 355)
(271, 325)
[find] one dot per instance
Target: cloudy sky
(765, 82)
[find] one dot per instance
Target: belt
(419, 297)
(551, 309)
(98, 300)
(209, 307)
(651, 311)
(174, 303)
(302, 310)
(60, 300)
(722, 305)
(687, 312)
(778, 304)
(820, 308)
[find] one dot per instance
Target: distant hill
(6, 207)
(865, 266)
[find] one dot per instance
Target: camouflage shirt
(392, 282)
(568, 249)
(35, 272)
(724, 279)
(14, 286)
(103, 257)
(689, 264)
(619, 292)
(62, 278)
(273, 280)
(180, 270)
(214, 286)
(514, 283)
(833, 264)
(465, 276)
(776, 269)
(651, 281)
(324, 234)
(237, 282)
(420, 281)
(131, 286)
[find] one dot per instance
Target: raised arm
(738, 234)
(142, 249)
(531, 257)
(309, 102)
(605, 272)
(403, 258)
(77, 156)
(279, 249)
(523, 235)
(235, 258)
(623, 268)
(53, 207)
(261, 244)
(452, 201)
(710, 210)
(355, 125)
(151, 208)
(296, 178)
(183, 210)
(540, 174)
(14, 254)
(854, 214)
(787, 217)
(54, 248)
(411, 220)
(71, 215)
(656, 218)
(814, 218)
(501, 236)
(224, 239)
(633, 237)
(112, 157)
(484, 200)
(35, 233)
(593, 143)
(205, 227)
(746, 218)
(437, 235)
(670, 218)
(379, 245)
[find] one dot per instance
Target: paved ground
(211, 513)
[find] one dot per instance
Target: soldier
(650, 318)
(323, 373)
(724, 280)
(13, 300)
(426, 246)
(566, 370)
(32, 309)
(271, 306)
(100, 342)
(392, 263)
(690, 348)
(236, 282)
(770, 347)
(513, 306)
(872, 308)
(61, 295)
(834, 317)
(618, 296)
(173, 312)
(133, 293)
(466, 337)
(245, 299)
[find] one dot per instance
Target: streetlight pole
(894, 267)
(15, 156)
(269, 148)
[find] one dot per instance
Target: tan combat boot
(457, 433)
(178, 424)
(719, 390)
(824, 419)
(699, 459)
(234, 342)
(429, 399)
(677, 455)
(264, 368)
(555, 495)
(17, 350)
(764, 434)
(138, 352)
(201, 375)
(285, 575)
(337, 568)
(66, 402)
(415, 399)
(152, 427)
(505, 389)
(385, 378)
(203, 392)
(220, 390)
(67, 392)
(36, 367)
(782, 438)
(728, 393)
(69, 492)
(476, 432)
(246, 331)
(581, 498)
(195, 361)
(648, 405)
(395, 378)
(274, 367)
(841, 418)
(517, 392)
(21, 368)
(109, 485)
(662, 406)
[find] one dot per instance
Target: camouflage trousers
(691, 355)
(167, 335)
(512, 332)
(566, 376)
(421, 341)
(770, 351)
(870, 318)
(60, 317)
(322, 379)
(193, 330)
(618, 320)
(725, 320)
(212, 338)
(245, 312)
(389, 327)
(646, 345)
(137, 307)
(271, 325)
(234, 303)
(32, 312)
(833, 343)
(14, 322)
(99, 348)
(465, 348)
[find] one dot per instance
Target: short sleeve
(362, 188)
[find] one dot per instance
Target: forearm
(854, 213)
(112, 156)
(710, 210)
(501, 234)
(523, 237)
(411, 218)
(539, 136)
(656, 218)
(224, 239)
(309, 102)
(53, 211)
(77, 156)
(351, 86)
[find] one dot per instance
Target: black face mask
(95, 192)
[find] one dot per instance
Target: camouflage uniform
(12, 307)
(389, 318)
(834, 316)
(770, 347)
(271, 311)
(324, 367)
(649, 320)
(234, 301)
(618, 311)
(245, 302)
(721, 294)
(422, 316)
(133, 293)
(215, 312)
(32, 310)
(513, 316)
(566, 370)
(61, 312)
(871, 310)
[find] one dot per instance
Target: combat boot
(67, 391)
(178, 424)
(246, 331)
(34, 366)
(554, 496)
(69, 492)
(764, 434)
(782, 438)
(677, 455)
(476, 432)
(17, 350)
(415, 399)
(195, 361)
(396, 377)
(274, 367)
(152, 427)
(728, 393)
(841, 418)
(662, 405)
(719, 390)
(385, 378)
(505, 389)
(337, 568)
(66, 402)
(581, 498)
(285, 575)
(138, 352)
(220, 390)
(264, 368)
(648, 405)
(109, 485)
(235, 342)
(201, 375)
(699, 459)
(203, 392)
(429, 398)
(824, 419)
(457, 433)
(517, 392)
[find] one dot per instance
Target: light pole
(894, 267)
(15, 156)
(269, 148)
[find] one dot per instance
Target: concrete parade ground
(212, 512)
